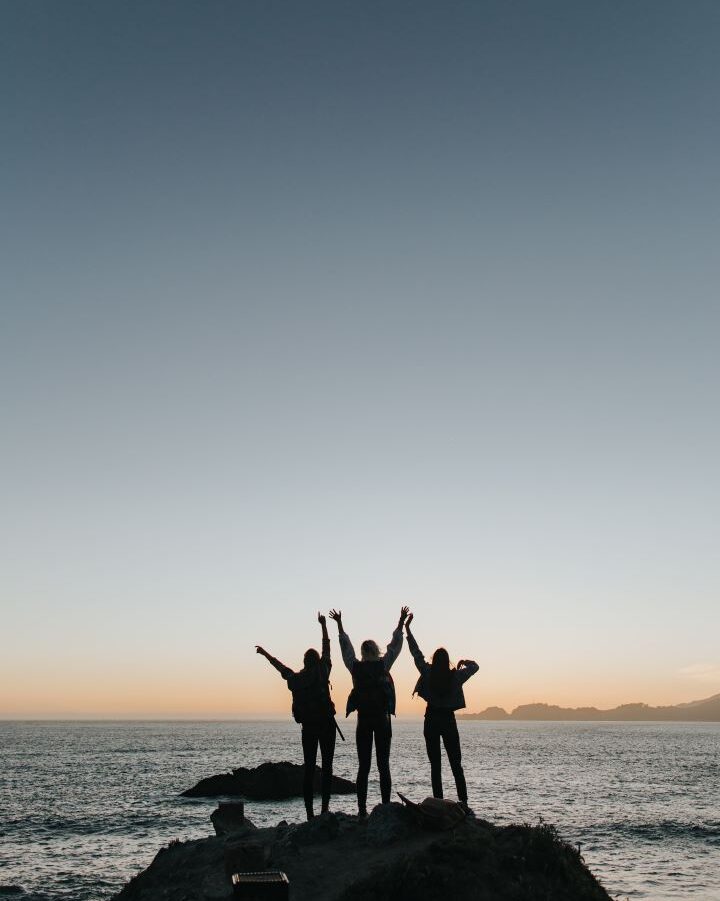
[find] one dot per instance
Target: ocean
(86, 805)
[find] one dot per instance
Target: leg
(310, 740)
(383, 738)
(432, 746)
(327, 752)
(363, 740)
(451, 740)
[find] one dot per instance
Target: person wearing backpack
(442, 688)
(373, 696)
(313, 708)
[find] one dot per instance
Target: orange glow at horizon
(256, 691)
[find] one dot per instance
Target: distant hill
(705, 711)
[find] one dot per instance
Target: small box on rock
(271, 884)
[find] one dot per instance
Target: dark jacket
(383, 666)
(454, 699)
(310, 687)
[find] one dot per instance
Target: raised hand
(337, 616)
(403, 615)
(321, 619)
(408, 621)
(259, 650)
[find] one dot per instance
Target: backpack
(452, 699)
(436, 813)
(371, 687)
(311, 695)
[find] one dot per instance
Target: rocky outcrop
(267, 782)
(704, 711)
(386, 857)
(230, 817)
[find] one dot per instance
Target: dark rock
(182, 871)
(229, 818)
(267, 782)
(245, 856)
(477, 863)
(389, 823)
(11, 890)
(214, 786)
(386, 857)
(319, 829)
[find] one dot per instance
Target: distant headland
(705, 711)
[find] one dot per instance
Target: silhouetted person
(373, 696)
(442, 688)
(313, 707)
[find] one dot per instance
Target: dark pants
(440, 723)
(313, 734)
(379, 728)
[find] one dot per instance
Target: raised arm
(418, 656)
(325, 656)
(346, 648)
(284, 671)
(466, 669)
(396, 642)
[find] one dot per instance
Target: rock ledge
(386, 857)
(267, 782)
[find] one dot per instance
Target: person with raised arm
(373, 696)
(313, 708)
(442, 688)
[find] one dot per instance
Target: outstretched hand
(337, 616)
(259, 650)
(403, 615)
(408, 621)
(321, 619)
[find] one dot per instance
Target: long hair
(369, 650)
(440, 672)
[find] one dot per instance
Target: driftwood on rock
(267, 782)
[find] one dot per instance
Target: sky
(342, 304)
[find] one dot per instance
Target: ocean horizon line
(708, 710)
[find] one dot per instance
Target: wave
(128, 826)
(669, 828)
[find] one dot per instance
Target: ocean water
(86, 805)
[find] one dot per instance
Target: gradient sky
(357, 304)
